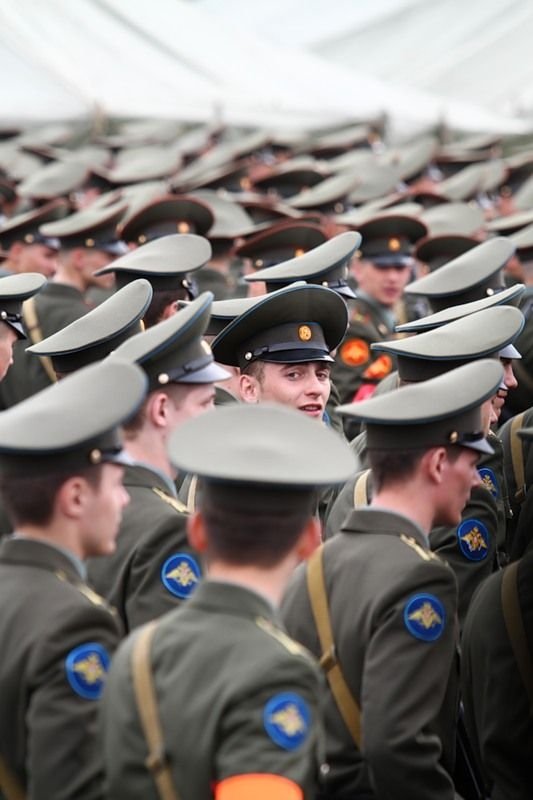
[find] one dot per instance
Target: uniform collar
(36, 553)
(230, 598)
(142, 474)
(386, 313)
(382, 521)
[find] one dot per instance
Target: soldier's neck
(269, 583)
(407, 502)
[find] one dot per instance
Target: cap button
(247, 356)
(95, 456)
(163, 378)
(453, 438)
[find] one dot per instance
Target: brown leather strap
(517, 457)
(145, 697)
(31, 321)
(514, 623)
(346, 703)
(360, 495)
(9, 784)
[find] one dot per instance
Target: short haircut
(177, 393)
(255, 370)
(30, 499)
(398, 466)
(160, 300)
(253, 525)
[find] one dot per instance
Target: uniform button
(324, 769)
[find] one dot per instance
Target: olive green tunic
(393, 606)
(497, 710)
(55, 637)
(235, 695)
(153, 568)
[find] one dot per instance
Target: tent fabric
(179, 60)
(477, 52)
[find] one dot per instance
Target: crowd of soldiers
(265, 466)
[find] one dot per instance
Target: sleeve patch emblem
(424, 617)
(86, 668)
(378, 369)
(354, 352)
(180, 575)
(473, 539)
(287, 720)
(490, 481)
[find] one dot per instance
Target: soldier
(379, 608)
(153, 568)
(167, 263)
(472, 548)
(223, 670)
(497, 648)
(87, 240)
(282, 345)
(383, 270)
(14, 289)
(29, 250)
(60, 477)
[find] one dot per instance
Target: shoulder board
(85, 590)
(289, 644)
(426, 555)
(176, 504)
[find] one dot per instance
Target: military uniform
(57, 639)
(246, 694)
(57, 635)
(497, 707)
(392, 605)
(222, 668)
(153, 568)
(470, 548)
(357, 371)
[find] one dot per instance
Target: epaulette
(293, 647)
(176, 504)
(85, 590)
(426, 555)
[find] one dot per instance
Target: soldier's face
(462, 476)
(509, 382)
(8, 337)
(37, 258)
(105, 503)
(384, 284)
(305, 387)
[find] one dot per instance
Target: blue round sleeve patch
(180, 574)
(86, 667)
(287, 720)
(473, 539)
(424, 617)
(490, 482)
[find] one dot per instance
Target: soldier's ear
(309, 539)
(196, 532)
(249, 389)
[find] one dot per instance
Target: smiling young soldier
(282, 345)
(61, 478)
(384, 606)
(223, 669)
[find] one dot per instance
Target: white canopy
(174, 59)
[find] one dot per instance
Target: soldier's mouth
(312, 409)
